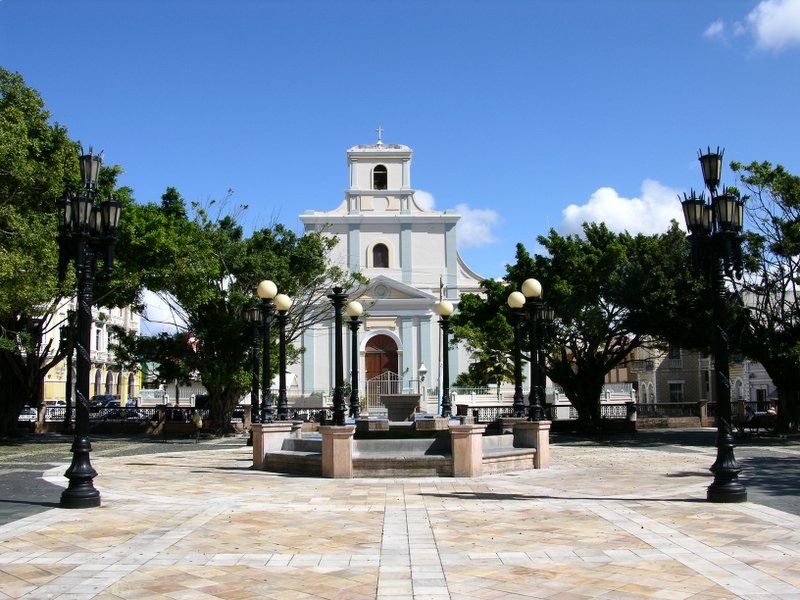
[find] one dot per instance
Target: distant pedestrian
(198, 425)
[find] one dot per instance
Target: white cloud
(649, 214)
(775, 24)
(716, 29)
(475, 226)
(424, 199)
(159, 316)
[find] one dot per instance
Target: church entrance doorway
(380, 362)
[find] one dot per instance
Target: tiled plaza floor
(614, 523)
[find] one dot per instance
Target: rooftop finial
(380, 131)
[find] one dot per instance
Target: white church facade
(409, 254)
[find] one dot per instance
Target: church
(410, 256)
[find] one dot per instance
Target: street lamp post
(715, 236)
(532, 290)
(354, 310)
(282, 303)
(266, 290)
(516, 301)
(252, 316)
(545, 316)
(338, 298)
(68, 341)
(421, 389)
(445, 309)
(87, 231)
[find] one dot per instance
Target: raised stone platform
(461, 451)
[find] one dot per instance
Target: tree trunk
(12, 399)
(223, 400)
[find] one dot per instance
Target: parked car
(103, 401)
(27, 417)
(121, 414)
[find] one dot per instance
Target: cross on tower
(380, 131)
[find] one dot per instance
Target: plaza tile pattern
(613, 523)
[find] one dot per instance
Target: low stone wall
(465, 452)
(308, 464)
(672, 422)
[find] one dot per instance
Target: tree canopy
(612, 292)
(38, 162)
(208, 270)
(770, 315)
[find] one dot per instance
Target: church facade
(410, 256)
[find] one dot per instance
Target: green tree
(37, 163)
(207, 271)
(613, 292)
(486, 332)
(769, 290)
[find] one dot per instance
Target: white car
(27, 415)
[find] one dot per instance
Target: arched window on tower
(380, 256)
(380, 178)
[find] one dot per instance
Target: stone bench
(465, 452)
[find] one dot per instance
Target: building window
(380, 178)
(380, 256)
(676, 391)
(761, 400)
(674, 358)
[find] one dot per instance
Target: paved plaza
(606, 520)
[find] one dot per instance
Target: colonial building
(684, 376)
(106, 376)
(410, 256)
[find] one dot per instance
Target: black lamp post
(282, 303)
(445, 309)
(516, 300)
(544, 318)
(354, 310)
(252, 316)
(532, 290)
(337, 299)
(87, 231)
(68, 341)
(714, 233)
(266, 290)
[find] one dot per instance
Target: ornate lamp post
(516, 300)
(282, 303)
(714, 233)
(338, 298)
(266, 290)
(252, 316)
(545, 318)
(422, 371)
(539, 315)
(445, 308)
(354, 310)
(87, 231)
(68, 341)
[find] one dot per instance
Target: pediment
(385, 288)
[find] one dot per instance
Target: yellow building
(106, 376)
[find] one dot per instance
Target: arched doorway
(380, 368)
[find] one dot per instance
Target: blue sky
(523, 115)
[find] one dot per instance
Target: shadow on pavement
(527, 497)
